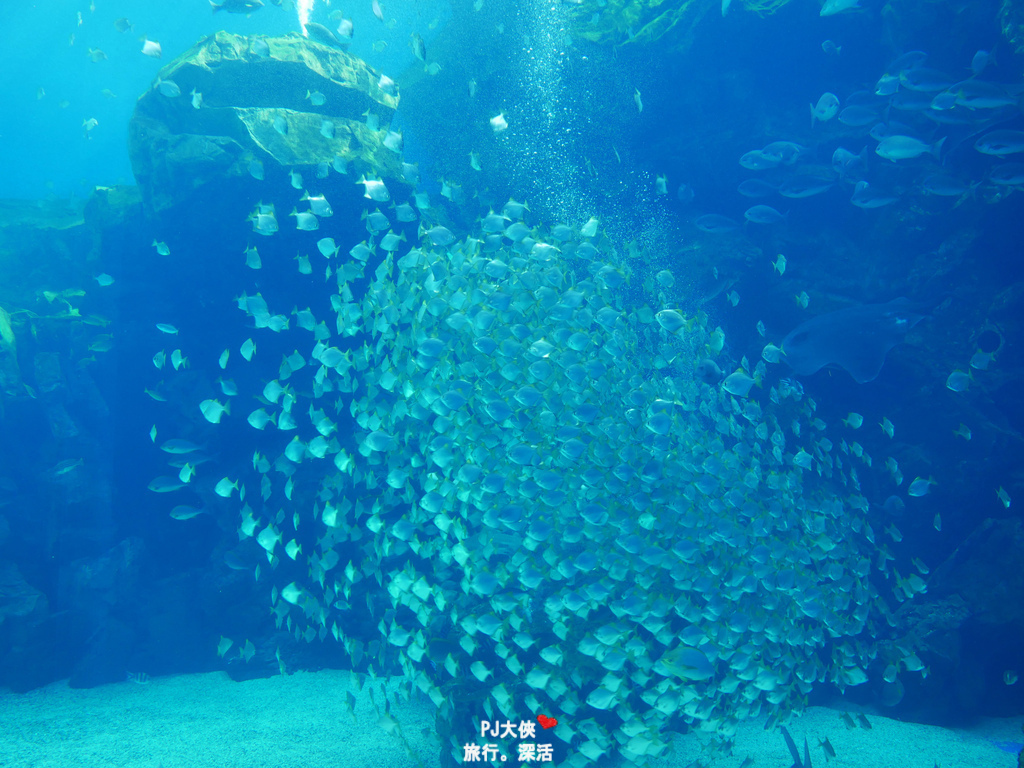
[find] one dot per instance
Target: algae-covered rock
(1011, 21)
(111, 206)
(254, 110)
(622, 22)
(625, 22)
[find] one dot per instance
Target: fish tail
(792, 746)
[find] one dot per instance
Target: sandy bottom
(301, 721)
(889, 744)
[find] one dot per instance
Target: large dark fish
(237, 6)
(855, 338)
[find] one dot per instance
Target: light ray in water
(305, 7)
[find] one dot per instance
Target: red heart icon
(547, 722)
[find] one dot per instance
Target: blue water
(99, 580)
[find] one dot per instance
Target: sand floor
(301, 721)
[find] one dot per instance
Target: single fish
(763, 214)
(925, 80)
(1001, 143)
(168, 88)
(826, 108)
(895, 148)
(237, 6)
(151, 48)
(738, 384)
(1004, 497)
(958, 381)
(178, 446)
(715, 223)
(224, 487)
(321, 34)
(832, 7)
(920, 486)
(759, 160)
(857, 116)
(182, 512)
(419, 48)
(305, 221)
(826, 745)
(980, 61)
(164, 484)
(866, 196)
(979, 94)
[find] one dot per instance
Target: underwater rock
(639, 21)
(62, 425)
(47, 372)
(94, 584)
(18, 598)
(107, 652)
(1011, 21)
(27, 635)
(112, 206)
(623, 22)
(985, 570)
(116, 209)
(254, 108)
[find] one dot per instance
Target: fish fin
(792, 746)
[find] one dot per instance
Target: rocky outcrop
(985, 571)
(623, 22)
(253, 107)
(18, 598)
(1011, 21)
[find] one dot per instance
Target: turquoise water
(544, 358)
